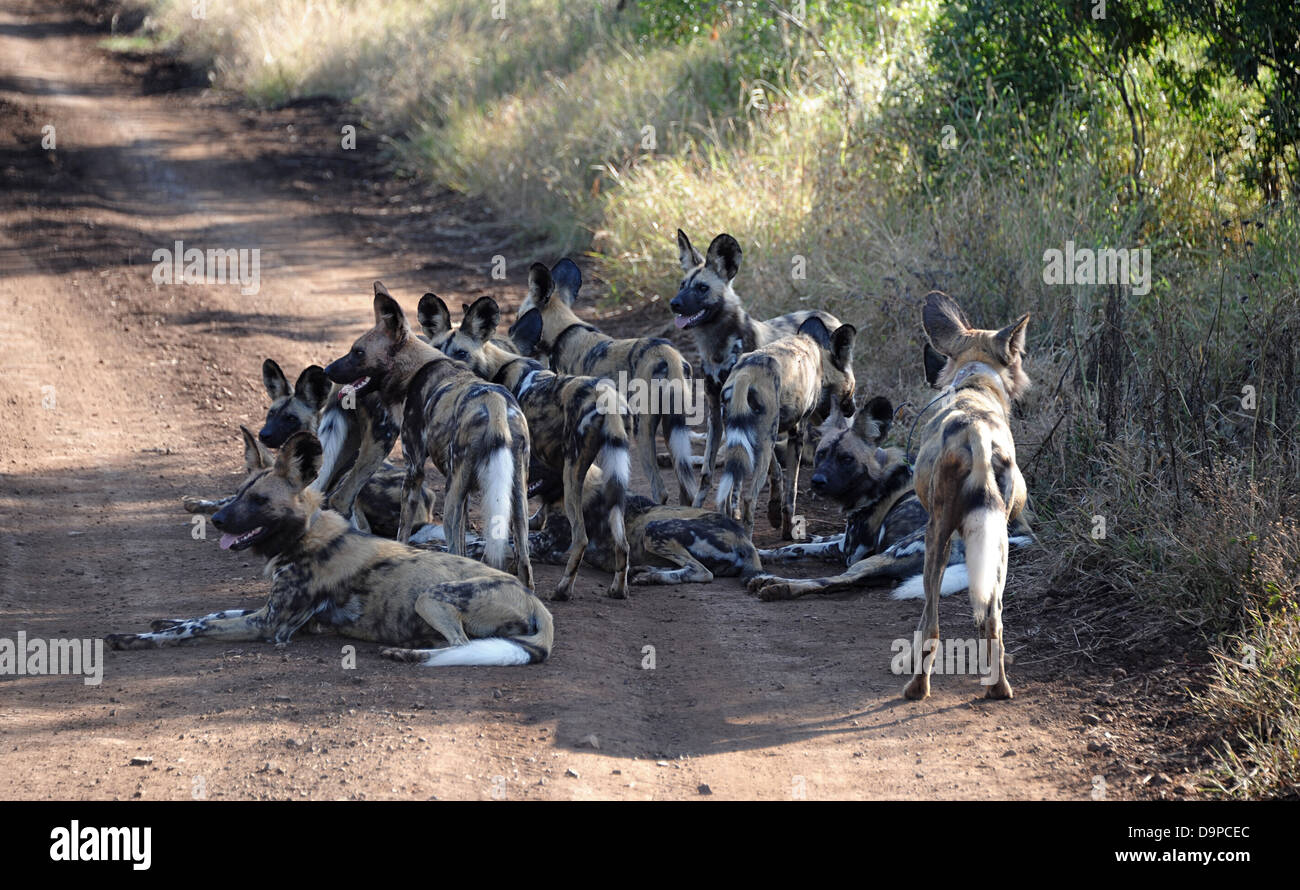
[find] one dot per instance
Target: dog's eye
(701, 286)
(257, 500)
(357, 352)
(845, 459)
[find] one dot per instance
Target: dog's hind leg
(863, 573)
(644, 426)
(574, 474)
(455, 507)
(794, 447)
(690, 570)
(938, 541)
(714, 440)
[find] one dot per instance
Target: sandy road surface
(120, 396)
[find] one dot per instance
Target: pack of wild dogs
(534, 412)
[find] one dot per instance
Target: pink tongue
(682, 320)
(227, 540)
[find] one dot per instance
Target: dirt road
(120, 396)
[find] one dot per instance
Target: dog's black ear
(526, 333)
(842, 345)
(481, 319)
(313, 387)
(1011, 339)
(934, 362)
(299, 459)
(944, 322)
(435, 317)
(388, 314)
(540, 285)
(256, 456)
(835, 420)
(874, 420)
(724, 256)
(689, 256)
(277, 385)
(568, 280)
(814, 327)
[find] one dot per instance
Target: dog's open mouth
(239, 542)
(685, 321)
(355, 388)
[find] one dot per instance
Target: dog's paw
(407, 655)
(159, 624)
(770, 588)
(122, 641)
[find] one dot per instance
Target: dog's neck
(864, 518)
(979, 373)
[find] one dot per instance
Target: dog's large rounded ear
(835, 420)
(842, 346)
(313, 387)
(481, 319)
(934, 362)
(277, 385)
(686, 253)
(540, 285)
(724, 256)
(568, 280)
(256, 455)
(434, 316)
(874, 420)
(388, 314)
(299, 459)
(814, 327)
(526, 333)
(1011, 339)
(944, 322)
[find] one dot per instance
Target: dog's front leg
(713, 401)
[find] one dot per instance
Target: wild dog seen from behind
(362, 586)
(966, 473)
(473, 431)
(774, 391)
(574, 423)
(548, 327)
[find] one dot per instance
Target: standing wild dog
(472, 430)
(661, 375)
(666, 544)
(966, 473)
(774, 390)
(707, 306)
(365, 587)
(355, 430)
(573, 423)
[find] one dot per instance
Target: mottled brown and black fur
(362, 586)
(573, 423)
(473, 431)
(707, 306)
(548, 327)
(773, 392)
(966, 472)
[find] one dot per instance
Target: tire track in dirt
(751, 699)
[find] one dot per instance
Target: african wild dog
(473, 431)
(573, 423)
(966, 473)
(707, 306)
(771, 391)
(379, 504)
(884, 538)
(355, 430)
(364, 587)
(547, 326)
(667, 544)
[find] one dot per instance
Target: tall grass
(860, 197)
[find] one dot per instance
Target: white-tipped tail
(985, 534)
(615, 463)
(496, 483)
(490, 651)
(954, 579)
(332, 433)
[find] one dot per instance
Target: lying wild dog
(774, 390)
(362, 586)
(884, 538)
(547, 327)
(377, 506)
(380, 501)
(707, 306)
(966, 473)
(473, 431)
(573, 423)
(668, 545)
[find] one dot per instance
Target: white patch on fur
(332, 433)
(430, 534)
(526, 383)
(615, 462)
(491, 651)
(496, 481)
(954, 580)
(985, 533)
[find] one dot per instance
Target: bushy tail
(739, 443)
(984, 531)
(496, 482)
(333, 434)
(500, 651)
